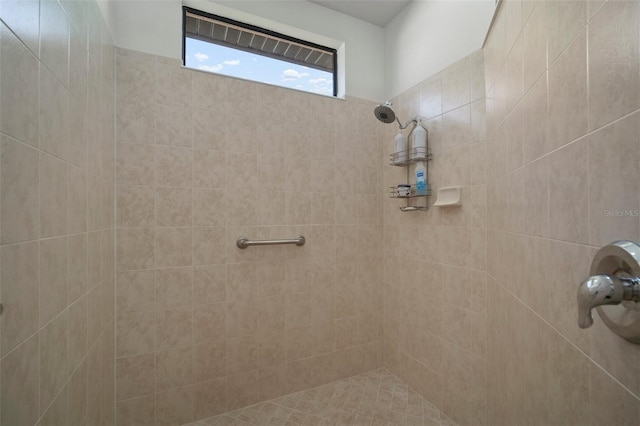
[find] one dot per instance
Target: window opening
(221, 45)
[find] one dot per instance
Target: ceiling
(377, 12)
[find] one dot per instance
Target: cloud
(212, 68)
(291, 75)
(233, 62)
(319, 81)
(201, 57)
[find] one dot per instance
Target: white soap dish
(450, 196)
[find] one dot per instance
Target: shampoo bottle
(419, 145)
(421, 179)
(400, 155)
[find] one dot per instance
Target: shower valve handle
(614, 290)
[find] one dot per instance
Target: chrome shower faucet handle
(614, 290)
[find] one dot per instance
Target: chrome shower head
(384, 113)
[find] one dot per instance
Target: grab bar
(244, 242)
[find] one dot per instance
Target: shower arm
(414, 120)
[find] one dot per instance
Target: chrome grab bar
(244, 242)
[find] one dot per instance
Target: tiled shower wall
(202, 326)
(563, 150)
(435, 270)
(57, 214)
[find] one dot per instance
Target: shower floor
(373, 398)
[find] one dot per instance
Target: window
(224, 46)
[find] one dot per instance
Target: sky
(237, 63)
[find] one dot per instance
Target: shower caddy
(414, 155)
(405, 158)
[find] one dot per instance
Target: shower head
(384, 113)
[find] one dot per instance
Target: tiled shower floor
(374, 398)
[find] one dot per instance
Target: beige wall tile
(241, 318)
(174, 407)
(135, 78)
(568, 113)
(242, 389)
(135, 376)
(95, 257)
(209, 169)
(209, 129)
(209, 245)
(174, 368)
(135, 122)
(95, 308)
(614, 75)
(77, 333)
(135, 206)
(210, 398)
(270, 349)
(136, 333)
(568, 193)
(53, 359)
(173, 247)
(241, 97)
(77, 389)
(271, 208)
(137, 411)
(241, 354)
(173, 166)
(173, 85)
(174, 126)
(243, 135)
(457, 127)
(20, 201)
(241, 206)
(612, 152)
(174, 327)
(53, 278)
(173, 206)
(241, 171)
(174, 287)
(430, 97)
(210, 91)
(135, 248)
(241, 282)
(209, 322)
(534, 110)
(603, 388)
(456, 85)
(53, 196)
(307, 308)
(54, 110)
(565, 20)
(310, 340)
(271, 313)
(209, 207)
(78, 132)
(76, 200)
(95, 203)
(136, 291)
(271, 172)
(135, 164)
(19, 104)
(535, 44)
(209, 283)
(57, 412)
(20, 277)
(209, 361)
(20, 378)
